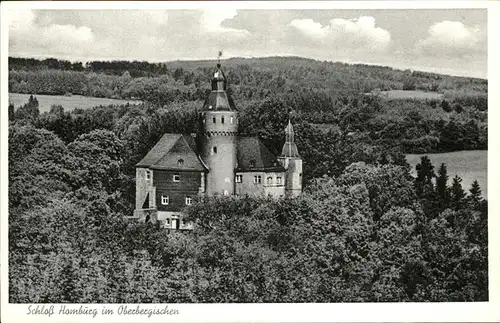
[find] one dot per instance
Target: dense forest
(363, 230)
(316, 91)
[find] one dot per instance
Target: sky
(437, 40)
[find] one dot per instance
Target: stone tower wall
(293, 175)
(221, 164)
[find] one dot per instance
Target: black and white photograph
(245, 153)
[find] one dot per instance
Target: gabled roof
(173, 152)
(254, 156)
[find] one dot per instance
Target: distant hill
(416, 111)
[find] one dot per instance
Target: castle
(216, 162)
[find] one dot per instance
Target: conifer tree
(457, 193)
(11, 111)
(425, 174)
(475, 197)
(442, 188)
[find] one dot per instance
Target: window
(239, 178)
(189, 200)
(148, 174)
(222, 119)
(167, 221)
(214, 120)
(257, 179)
(252, 163)
(227, 180)
(180, 162)
(278, 179)
(231, 120)
(176, 178)
(226, 192)
(164, 199)
(214, 149)
(269, 180)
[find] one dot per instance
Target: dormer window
(252, 162)
(148, 174)
(180, 162)
(176, 178)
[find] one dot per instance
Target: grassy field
(419, 95)
(469, 165)
(68, 102)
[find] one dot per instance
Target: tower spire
(289, 148)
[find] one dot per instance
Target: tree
(11, 112)
(425, 174)
(458, 108)
(97, 161)
(457, 193)
(475, 197)
(442, 187)
(388, 186)
(36, 166)
(56, 109)
(445, 105)
(29, 110)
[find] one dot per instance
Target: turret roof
(219, 99)
(290, 148)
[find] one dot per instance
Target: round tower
(218, 142)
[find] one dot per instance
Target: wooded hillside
(364, 230)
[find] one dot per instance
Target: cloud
(359, 33)
(211, 23)
(452, 38)
(25, 35)
(101, 34)
(310, 28)
(164, 35)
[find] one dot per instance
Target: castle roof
(219, 99)
(290, 148)
(252, 156)
(173, 152)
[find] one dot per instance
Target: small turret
(290, 148)
(291, 161)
